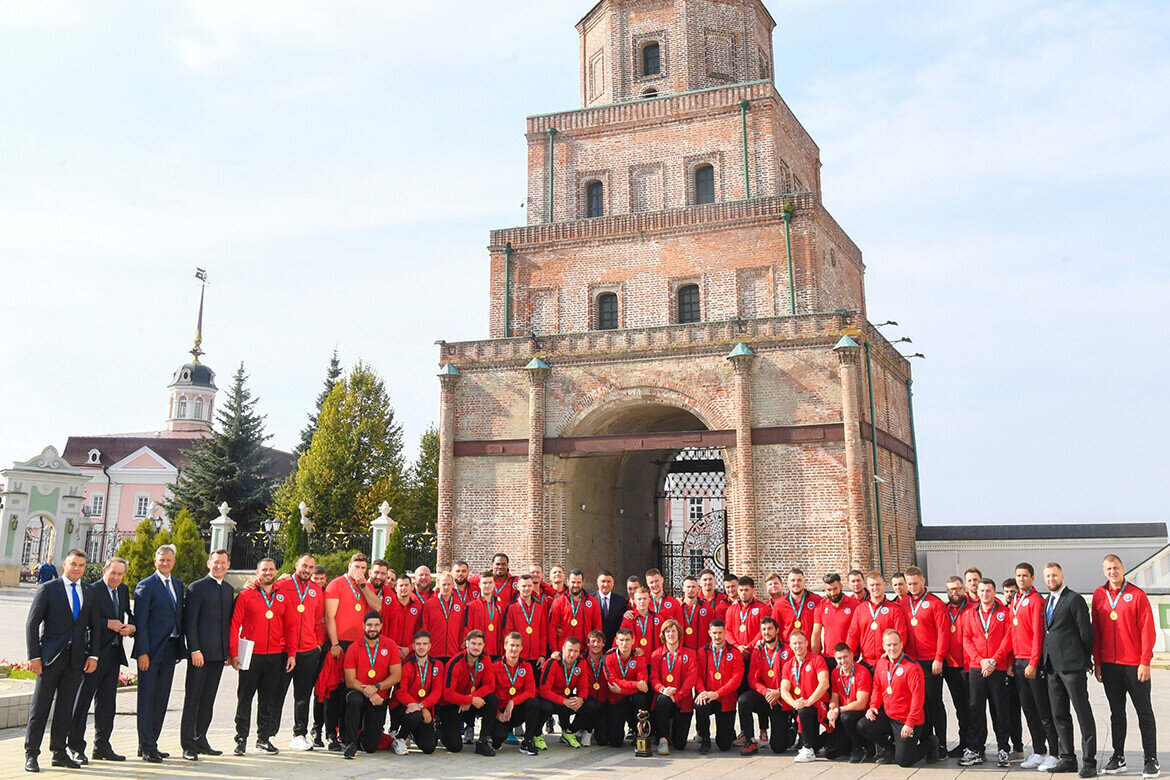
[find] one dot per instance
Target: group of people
(493, 658)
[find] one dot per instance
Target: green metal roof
(448, 370)
(536, 364)
(846, 342)
(741, 350)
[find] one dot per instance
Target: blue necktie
(1051, 606)
(76, 602)
(114, 598)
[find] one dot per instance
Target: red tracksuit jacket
(399, 622)
(789, 611)
(301, 625)
(743, 622)
(532, 624)
(461, 684)
(249, 620)
(573, 617)
(926, 627)
(514, 683)
(626, 675)
(991, 639)
(667, 608)
(729, 670)
(1027, 611)
(676, 670)
(559, 681)
(490, 622)
(955, 620)
(863, 634)
(900, 689)
(1128, 640)
(412, 684)
(447, 624)
(696, 620)
(645, 631)
(767, 669)
(835, 620)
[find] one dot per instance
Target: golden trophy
(642, 740)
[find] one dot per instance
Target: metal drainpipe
(552, 133)
(106, 512)
(914, 444)
(877, 487)
(747, 185)
(787, 216)
(508, 289)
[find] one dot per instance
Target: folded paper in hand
(244, 653)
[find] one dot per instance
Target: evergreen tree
(296, 543)
(190, 551)
(395, 554)
(356, 460)
(422, 507)
(331, 377)
(232, 465)
(139, 553)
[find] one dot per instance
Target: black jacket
(1068, 636)
(51, 628)
(105, 640)
(611, 621)
(207, 618)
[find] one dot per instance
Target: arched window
(198, 408)
(688, 303)
(595, 199)
(651, 60)
(704, 184)
(182, 407)
(607, 311)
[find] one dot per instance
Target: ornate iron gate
(693, 535)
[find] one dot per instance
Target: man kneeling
(851, 685)
(469, 694)
(895, 716)
(805, 688)
(564, 692)
(420, 691)
(372, 668)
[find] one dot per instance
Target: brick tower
(679, 288)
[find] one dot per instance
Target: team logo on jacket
(521, 671)
(703, 611)
(1024, 601)
(900, 671)
(280, 597)
(783, 655)
(588, 604)
(848, 610)
(808, 667)
(926, 604)
(575, 672)
(383, 651)
(312, 592)
(414, 610)
(479, 666)
(1128, 597)
(386, 601)
(810, 605)
(885, 610)
(999, 616)
(457, 607)
(755, 610)
(728, 657)
(633, 663)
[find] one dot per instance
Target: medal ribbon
(491, 613)
(717, 657)
(300, 593)
(422, 675)
(769, 658)
(527, 616)
(986, 623)
(743, 614)
(623, 670)
(671, 660)
(512, 677)
(1114, 601)
(1015, 605)
(263, 595)
(357, 597)
(473, 672)
(446, 608)
(569, 671)
(797, 668)
(374, 655)
(873, 613)
(689, 617)
(597, 668)
(575, 608)
(915, 607)
(891, 669)
(847, 685)
(795, 611)
(499, 588)
(954, 616)
(642, 622)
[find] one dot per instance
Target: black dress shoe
(107, 755)
(153, 757)
(79, 757)
(207, 750)
(191, 755)
(156, 751)
(63, 760)
(1064, 765)
(31, 765)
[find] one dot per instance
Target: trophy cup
(642, 740)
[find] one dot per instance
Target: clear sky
(337, 167)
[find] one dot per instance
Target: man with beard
(857, 586)
(762, 697)
(564, 692)
(304, 609)
(346, 600)
(893, 722)
(372, 669)
(419, 693)
(444, 618)
(832, 618)
(575, 614)
(424, 587)
(484, 614)
(872, 619)
(971, 578)
(851, 686)
(715, 600)
(796, 609)
(403, 615)
(469, 694)
(955, 663)
(697, 615)
(926, 643)
(503, 583)
(259, 617)
(377, 595)
(463, 590)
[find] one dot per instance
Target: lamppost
(271, 526)
(306, 523)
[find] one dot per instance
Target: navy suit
(101, 687)
(611, 620)
(62, 643)
(158, 635)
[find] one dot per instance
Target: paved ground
(558, 761)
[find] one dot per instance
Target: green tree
(331, 376)
(190, 552)
(394, 554)
(232, 465)
(139, 553)
(422, 504)
(296, 543)
(355, 462)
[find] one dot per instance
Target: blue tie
(76, 602)
(114, 598)
(1051, 606)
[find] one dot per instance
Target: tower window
(688, 304)
(183, 408)
(198, 408)
(595, 200)
(651, 60)
(705, 184)
(607, 311)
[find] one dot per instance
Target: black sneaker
(266, 746)
(241, 748)
(484, 749)
(704, 747)
(350, 750)
(335, 746)
(1115, 765)
(527, 748)
(857, 756)
(1151, 769)
(317, 742)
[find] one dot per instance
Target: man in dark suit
(111, 607)
(613, 607)
(158, 646)
(1068, 660)
(207, 617)
(60, 650)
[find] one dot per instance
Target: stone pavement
(558, 761)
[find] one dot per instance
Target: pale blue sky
(337, 167)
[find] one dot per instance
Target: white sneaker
(585, 738)
(763, 736)
(469, 737)
(400, 747)
(805, 756)
(1049, 764)
(663, 747)
(1033, 761)
(300, 743)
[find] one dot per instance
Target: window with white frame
(182, 407)
(141, 505)
(97, 504)
(198, 408)
(695, 510)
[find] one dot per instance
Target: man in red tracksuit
(1123, 646)
(463, 590)
(469, 693)
(486, 614)
(743, 619)
(955, 663)
(762, 696)
(516, 691)
(832, 618)
(872, 619)
(259, 616)
(627, 676)
(371, 668)
(526, 616)
(402, 617)
(304, 614)
(673, 672)
(696, 615)
(503, 582)
(1027, 612)
(593, 657)
(927, 643)
(805, 690)
(445, 619)
(564, 692)
(574, 614)
(644, 624)
(717, 688)
(851, 685)
(715, 600)
(893, 722)
(796, 608)
(419, 692)
(665, 606)
(987, 645)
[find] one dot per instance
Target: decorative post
(382, 527)
(743, 555)
(448, 378)
(221, 529)
(849, 353)
(538, 372)
(306, 523)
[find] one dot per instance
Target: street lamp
(271, 526)
(158, 524)
(884, 324)
(903, 340)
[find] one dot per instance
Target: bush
(93, 572)
(190, 552)
(336, 563)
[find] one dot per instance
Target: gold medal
(670, 678)
(370, 673)
(268, 614)
(890, 690)
(796, 624)
(568, 691)
(771, 672)
(528, 630)
(300, 607)
(597, 686)
(643, 641)
(690, 630)
(796, 691)
(422, 692)
(718, 675)
(573, 622)
(491, 626)
(512, 691)
(357, 607)
(913, 621)
(1015, 621)
(873, 626)
(954, 628)
(1113, 616)
(743, 629)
